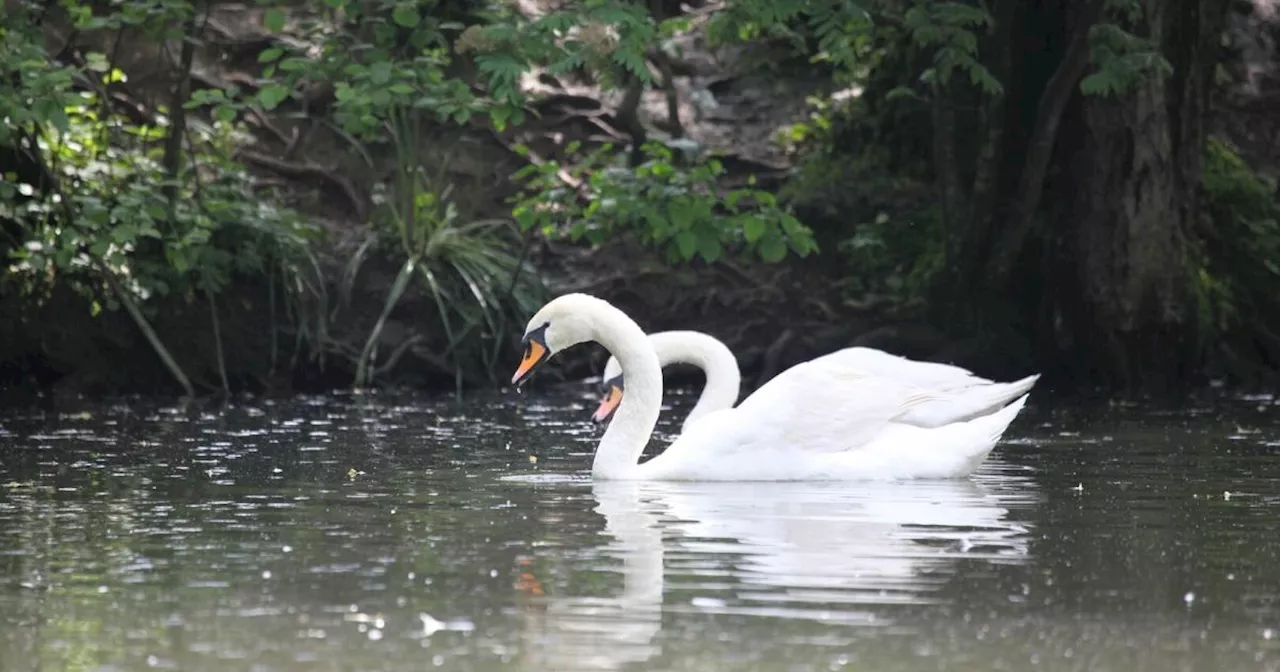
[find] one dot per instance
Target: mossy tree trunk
(1082, 206)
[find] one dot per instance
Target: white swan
(973, 396)
(814, 421)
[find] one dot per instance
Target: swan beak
(608, 404)
(534, 354)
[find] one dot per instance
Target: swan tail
(997, 395)
(968, 404)
(949, 451)
(984, 433)
(995, 425)
(1024, 385)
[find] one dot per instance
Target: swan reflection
(832, 551)
(606, 633)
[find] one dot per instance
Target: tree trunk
(1134, 175)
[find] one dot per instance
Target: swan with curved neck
(811, 422)
(969, 395)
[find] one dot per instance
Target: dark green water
(336, 534)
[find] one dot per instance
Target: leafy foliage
(217, 227)
(1239, 259)
(847, 33)
(373, 65)
(891, 234)
(34, 89)
(951, 30)
(1122, 60)
(146, 213)
(107, 207)
(155, 210)
(667, 205)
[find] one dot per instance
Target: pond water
(385, 533)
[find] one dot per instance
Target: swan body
(970, 396)
(819, 420)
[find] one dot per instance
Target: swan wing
(813, 407)
(962, 395)
(932, 375)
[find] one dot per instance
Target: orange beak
(608, 404)
(534, 353)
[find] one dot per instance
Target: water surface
(347, 534)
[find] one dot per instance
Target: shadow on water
(390, 533)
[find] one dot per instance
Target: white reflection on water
(783, 550)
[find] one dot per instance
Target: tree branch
(629, 117)
(217, 345)
(306, 171)
(983, 194)
(660, 58)
(948, 173)
(177, 112)
(1044, 133)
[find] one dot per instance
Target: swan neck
(723, 378)
(618, 454)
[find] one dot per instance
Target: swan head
(612, 388)
(563, 322)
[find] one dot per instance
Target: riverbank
(319, 283)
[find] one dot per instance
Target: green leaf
(524, 217)
(709, 248)
(270, 55)
(899, 92)
(380, 72)
(681, 214)
(225, 113)
(772, 250)
(687, 244)
(498, 116)
(271, 95)
(405, 16)
(792, 226)
(59, 119)
(753, 229)
(273, 20)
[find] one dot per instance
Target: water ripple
(376, 531)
